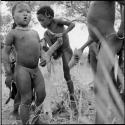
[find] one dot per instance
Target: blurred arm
(6, 52)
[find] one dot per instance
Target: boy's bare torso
(27, 47)
(58, 28)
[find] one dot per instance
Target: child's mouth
(25, 18)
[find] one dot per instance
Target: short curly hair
(46, 11)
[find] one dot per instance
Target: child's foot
(73, 105)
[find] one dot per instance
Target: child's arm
(52, 49)
(86, 44)
(62, 22)
(70, 25)
(78, 53)
(47, 39)
(43, 47)
(6, 52)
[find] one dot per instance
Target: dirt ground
(81, 76)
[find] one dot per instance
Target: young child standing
(27, 73)
(55, 31)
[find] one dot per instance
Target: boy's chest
(26, 40)
(25, 37)
(51, 33)
(56, 28)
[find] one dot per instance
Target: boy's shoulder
(60, 19)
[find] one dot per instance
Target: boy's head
(45, 15)
(21, 13)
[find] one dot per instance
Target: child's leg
(23, 81)
(39, 86)
(17, 102)
(66, 58)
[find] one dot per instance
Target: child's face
(22, 14)
(44, 21)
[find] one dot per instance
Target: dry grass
(59, 104)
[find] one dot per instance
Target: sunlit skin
(27, 46)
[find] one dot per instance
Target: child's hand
(8, 81)
(58, 35)
(77, 55)
(75, 58)
(42, 62)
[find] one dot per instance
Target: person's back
(101, 14)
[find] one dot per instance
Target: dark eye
(28, 11)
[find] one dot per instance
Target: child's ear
(48, 15)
